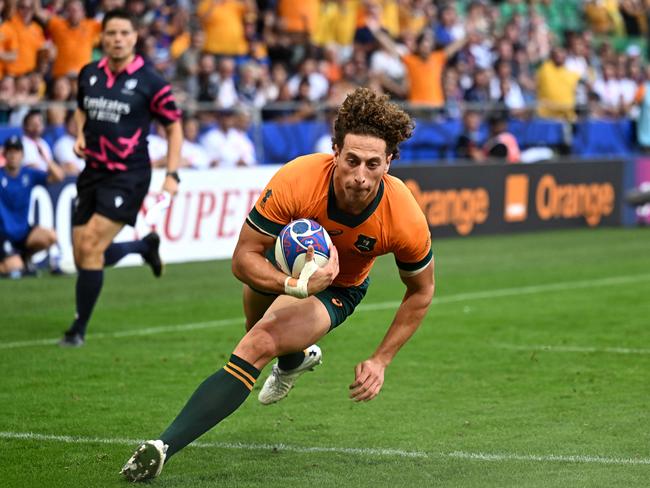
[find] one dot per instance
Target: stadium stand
(338, 44)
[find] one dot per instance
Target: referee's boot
(152, 256)
(279, 383)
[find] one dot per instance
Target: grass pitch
(532, 369)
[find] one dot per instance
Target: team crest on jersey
(130, 84)
(93, 80)
(25, 181)
(365, 243)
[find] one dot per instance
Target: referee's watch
(174, 174)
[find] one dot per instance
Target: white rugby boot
(279, 382)
(147, 461)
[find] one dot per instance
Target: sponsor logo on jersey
(334, 232)
(267, 195)
(365, 243)
(337, 302)
(93, 80)
(105, 109)
(129, 85)
(118, 201)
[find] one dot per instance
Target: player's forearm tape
(300, 290)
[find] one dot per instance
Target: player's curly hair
(365, 113)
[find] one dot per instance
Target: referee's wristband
(174, 174)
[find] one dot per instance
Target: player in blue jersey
(18, 238)
(118, 98)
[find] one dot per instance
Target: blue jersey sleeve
(37, 176)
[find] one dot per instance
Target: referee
(118, 96)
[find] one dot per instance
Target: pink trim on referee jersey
(131, 68)
(128, 147)
(159, 101)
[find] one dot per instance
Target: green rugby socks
(216, 398)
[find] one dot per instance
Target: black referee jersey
(119, 109)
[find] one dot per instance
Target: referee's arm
(80, 144)
(174, 142)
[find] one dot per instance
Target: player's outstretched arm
(369, 374)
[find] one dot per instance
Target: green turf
(472, 382)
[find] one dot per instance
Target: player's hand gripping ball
(292, 243)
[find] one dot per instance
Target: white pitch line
(132, 333)
(220, 445)
(481, 456)
(523, 290)
(585, 349)
(387, 452)
(459, 297)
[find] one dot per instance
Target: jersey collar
(338, 215)
(131, 68)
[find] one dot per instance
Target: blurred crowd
(284, 60)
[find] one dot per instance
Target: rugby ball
(293, 241)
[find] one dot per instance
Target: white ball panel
(280, 258)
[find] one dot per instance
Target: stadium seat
(283, 142)
(53, 133)
(6, 132)
(431, 142)
(537, 132)
(603, 138)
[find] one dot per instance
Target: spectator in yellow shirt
(556, 88)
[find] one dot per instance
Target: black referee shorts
(115, 195)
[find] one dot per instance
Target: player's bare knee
(89, 254)
(51, 237)
(88, 246)
(259, 346)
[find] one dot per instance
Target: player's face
(118, 39)
(13, 157)
(360, 165)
